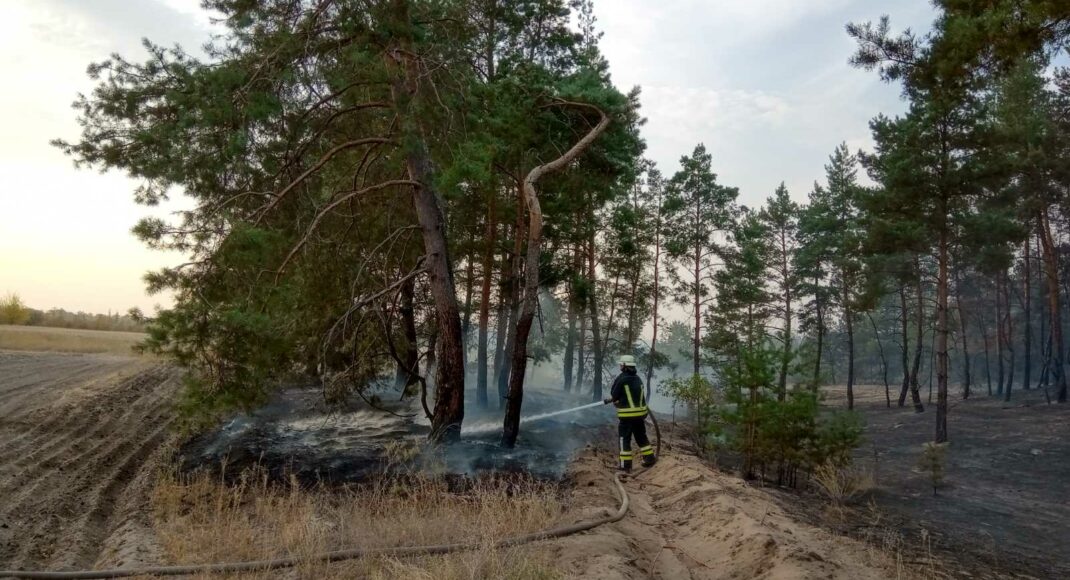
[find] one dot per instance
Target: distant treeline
(59, 318)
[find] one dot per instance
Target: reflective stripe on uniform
(633, 410)
(647, 450)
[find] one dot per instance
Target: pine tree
(698, 214)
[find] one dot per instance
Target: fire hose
(335, 556)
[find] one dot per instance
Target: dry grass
(841, 485)
(37, 338)
(201, 520)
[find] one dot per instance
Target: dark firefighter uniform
(629, 396)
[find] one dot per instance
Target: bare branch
(323, 213)
(319, 164)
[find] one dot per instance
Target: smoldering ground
(297, 434)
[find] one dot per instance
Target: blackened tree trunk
(906, 345)
(407, 371)
(581, 353)
(999, 334)
(1027, 371)
(490, 236)
(1010, 335)
(884, 361)
(570, 344)
(942, 332)
(848, 318)
(966, 371)
(531, 279)
(469, 295)
(514, 301)
(502, 326)
(919, 343)
(449, 373)
(819, 306)
(1051, 271)
(988, 361)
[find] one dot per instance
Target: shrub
(932, 462)
(13, 311)
(779, 434)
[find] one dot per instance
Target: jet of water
(489, 428)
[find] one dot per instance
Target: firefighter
(629, 396)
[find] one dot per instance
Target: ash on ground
(298, 435)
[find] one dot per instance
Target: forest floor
(1002, 511)
(86, 444)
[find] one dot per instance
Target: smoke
(297, 434)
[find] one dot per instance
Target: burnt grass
(1003, 510)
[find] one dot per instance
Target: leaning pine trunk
(526, 316)
(449, 374)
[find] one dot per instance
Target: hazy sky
(764, 84)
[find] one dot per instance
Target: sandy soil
(80, 439)
(1003, 511)
(689, 521)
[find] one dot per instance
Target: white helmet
(627, 360)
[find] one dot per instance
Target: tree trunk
(449, 378)
(999, 334)
(785, 357)
(906, 346)
(848, 318)
(596, 331)
(581, 352)
(570, 344)
(942, 331)
(502, 328)
(514, 301)
(820, 331)
(1051, 270)
(884, 361)
(407, 371)
(608, 330)
(1027, 372)
(988, 360)
(698, 310)
(1010, 335)
(919, 340)
(531, 279)
(965, 342)
(657, 296)
(469, 294)
(490, 236)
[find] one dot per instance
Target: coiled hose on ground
(336, 556)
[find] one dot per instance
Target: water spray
(492, 427)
